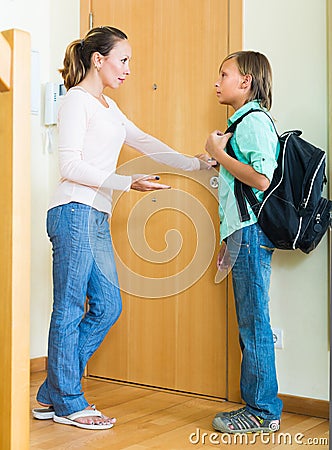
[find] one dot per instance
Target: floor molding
(38, 364)
(307, 406)
(292, 404)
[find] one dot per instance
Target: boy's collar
(254, 104)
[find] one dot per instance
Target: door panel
(173, 329)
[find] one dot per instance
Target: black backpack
(293, 213)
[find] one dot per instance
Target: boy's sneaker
(242, 421)
(230, 413)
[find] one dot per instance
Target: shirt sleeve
(156, 149)
(73, 122)
(258, 142)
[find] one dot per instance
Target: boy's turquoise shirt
(254, 142)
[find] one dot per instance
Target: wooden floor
(150, 419)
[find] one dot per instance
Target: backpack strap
(233, 126)
(238, 189)
(251, 197)
(241, 190)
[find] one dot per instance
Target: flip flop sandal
(43, 413)
(71, 420)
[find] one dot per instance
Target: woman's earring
(97, 67)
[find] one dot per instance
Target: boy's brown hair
(257, 65)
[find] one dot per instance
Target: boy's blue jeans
(251, 252)
(83, 268)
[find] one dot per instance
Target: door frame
(235, 43)
(329, 90)
(15, 239)
(329, 118)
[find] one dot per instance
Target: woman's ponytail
(74, 69)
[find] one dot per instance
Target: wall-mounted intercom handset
(53, 92)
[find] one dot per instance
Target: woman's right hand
(143, 183)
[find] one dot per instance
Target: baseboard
(306, 406)
(298, 405)
(38, 364)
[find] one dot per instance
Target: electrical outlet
(278, 337)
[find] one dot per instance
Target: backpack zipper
(318, 220)
(297, 234)
(306, 200)
(317, 223)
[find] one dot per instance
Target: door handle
(214, 182)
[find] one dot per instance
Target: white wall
(52, 25)
(294, 39)
(298, 56)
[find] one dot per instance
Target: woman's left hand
(142, 183)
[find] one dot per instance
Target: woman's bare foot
(87, 420)
(95, 420)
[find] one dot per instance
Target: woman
(92, 130)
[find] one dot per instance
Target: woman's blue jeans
(83, 268)
(251, 252)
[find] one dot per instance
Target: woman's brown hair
(77, 60)
(257, 65)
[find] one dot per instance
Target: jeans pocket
(264, 241)
(98, 224)
(237, 239)
(237, 246)
(266, 249)
(52, 220)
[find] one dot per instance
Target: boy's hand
(216, 143)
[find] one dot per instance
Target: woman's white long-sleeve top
(90, 140)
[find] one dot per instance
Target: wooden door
(173, 329)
